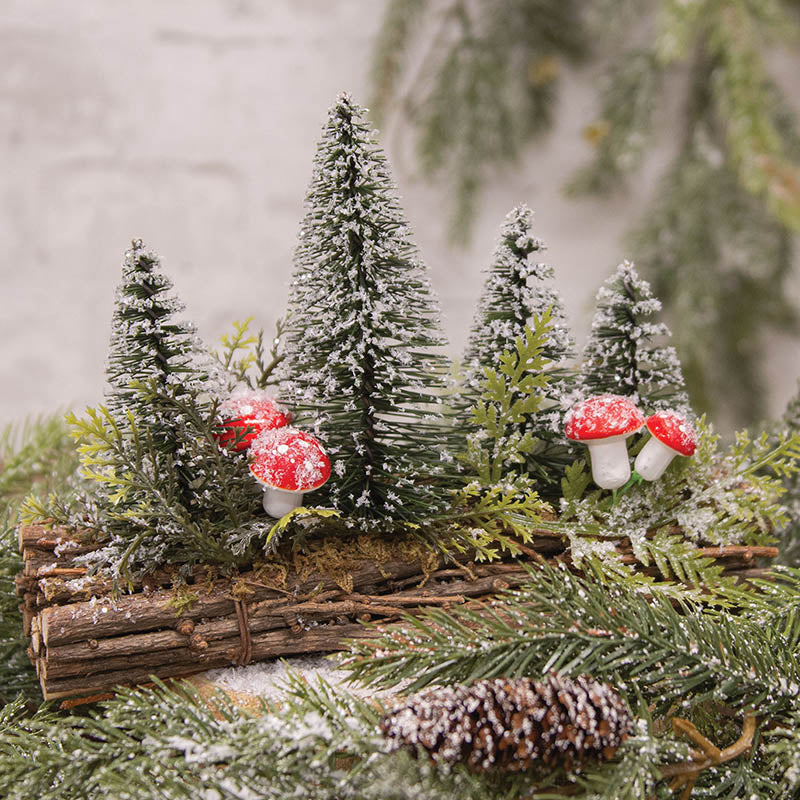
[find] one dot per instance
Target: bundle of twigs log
(84, 640)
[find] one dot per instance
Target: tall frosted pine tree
(363, 365)
(518, 287)
(625, 353)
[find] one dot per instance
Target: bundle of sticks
(85, 641)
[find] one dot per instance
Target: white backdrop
(192, 124)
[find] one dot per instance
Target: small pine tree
(516, 291)
(149, 346)
(363, 364)
(624, 354)
(158, 488)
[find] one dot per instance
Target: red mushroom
(672, 435)
(246, 415)
(288, 463)
(603, 423)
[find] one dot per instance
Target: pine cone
(510, 724)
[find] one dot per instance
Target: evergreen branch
(755, 146)
(237, 367)
(487, 83)
(559, 621)
(240, 339)
(620, 135)
(137, 500)
(37, 454)
(389, 52)
(169, 742)
(266, 369)
(489, 522)
(783, 751)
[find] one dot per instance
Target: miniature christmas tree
(363, 366)
(149, 347)
(625, 354)
(516, 290)
(157, 488)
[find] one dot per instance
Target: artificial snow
(603, 416)
(255, 406)
(267, 678)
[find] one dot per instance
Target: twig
(685, 775)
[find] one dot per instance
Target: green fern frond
(498, 450)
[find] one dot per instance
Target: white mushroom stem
(653, 459)
(610, 465)
(278, 502)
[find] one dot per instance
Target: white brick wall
(192, 124)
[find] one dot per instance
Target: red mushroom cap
(289, 459)
(603, 416)
(673, 430)
(254, 410)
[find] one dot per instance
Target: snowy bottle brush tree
(625, 354)
(517, 289)
(363, 365)
(149, 345)
(157, 487)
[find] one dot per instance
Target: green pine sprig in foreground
(713, 668)
(170, 743)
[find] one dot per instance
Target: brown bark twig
(685, 775)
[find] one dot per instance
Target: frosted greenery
(720, 496)
(708, 667)
(151, 345)
(364, 366)
(153, 485)
(517, 286)
(655, 645)
(38, 452)
(716, 239)
(626, 353)
(504, 448)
